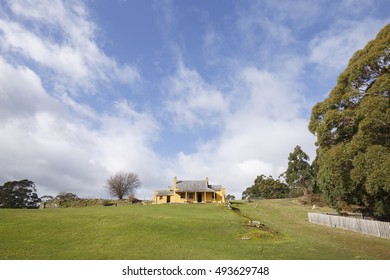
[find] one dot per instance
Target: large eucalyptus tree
(352, 126)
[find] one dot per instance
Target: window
(191, 195)
(161, 197)
(182, 195)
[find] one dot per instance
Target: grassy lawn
(179, 232)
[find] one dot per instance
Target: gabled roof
(164, 192)
(193, 186)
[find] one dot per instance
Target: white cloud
(82, 110)
(261, 22)
(254, 167)
(50, 136)
(235, 159)
(61, 151)
(264, 118)
(334, 47)
(62, 41)
(193, 102)
(51, 151)
(49, 56)
(13, 100)
(268, 95)
(257, 135)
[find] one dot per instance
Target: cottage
(191, 191)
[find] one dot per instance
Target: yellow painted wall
(161, 199)
(176, 198)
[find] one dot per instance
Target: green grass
(304, 240)
(179, 232)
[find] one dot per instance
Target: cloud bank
(71, 114)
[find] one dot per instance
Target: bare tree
(123, 183)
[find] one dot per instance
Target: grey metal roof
(193, 186)
(164, 192)
(216, 187)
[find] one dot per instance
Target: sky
(193, 89)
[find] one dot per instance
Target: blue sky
(222, 89)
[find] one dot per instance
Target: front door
(168, 199)
(199, 197)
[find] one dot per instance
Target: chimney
(207, 181)
(174, 183)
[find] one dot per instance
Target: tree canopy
(66, 196)
(19, 194)
(266, 187)
(122, 184)
(299, 172)
(352, 126)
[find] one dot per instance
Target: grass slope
(305, 240)
(179, 232)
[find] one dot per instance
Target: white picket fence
(376, 228)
